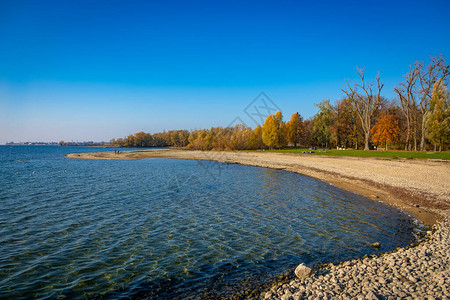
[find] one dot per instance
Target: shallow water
(162, 228)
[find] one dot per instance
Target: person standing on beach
(115, 151)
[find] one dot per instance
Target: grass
(374, 153)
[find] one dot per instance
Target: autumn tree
(270, 132)
(386, 130)
(294, 129)
(256, 142)
(281, 126)
(130, 141)
(365, 102)
(273, 131)
(438, 118)
(346, 128)
(142, 139)
(307, 137)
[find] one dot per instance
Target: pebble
(419, 272)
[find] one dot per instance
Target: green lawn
(374, 153)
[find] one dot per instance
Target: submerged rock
(375, 245)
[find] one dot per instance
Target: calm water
(161, 228)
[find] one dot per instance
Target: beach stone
(371, 296)
(297, 297)
(302, 271)
(285, 297)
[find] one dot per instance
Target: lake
(175, 229)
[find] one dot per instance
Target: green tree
(323, 121)
(438, 118)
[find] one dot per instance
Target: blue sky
(94, 70)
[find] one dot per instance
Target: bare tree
(415, 95)
(365, 102)
(428, 76)
(406, 93)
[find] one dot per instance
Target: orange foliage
(386, 130)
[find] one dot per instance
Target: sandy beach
(420, 187)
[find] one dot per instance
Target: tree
(407, 98)
(346, 127)
(294, 129)
(386, 130)
(323, 120)
(130, 141)
(365, 103)
(281, 126)
(273, 131)
(428, 77)
(142, 139)
(308, 127)
(415, 95)
(438, 119)
(270, 132)
(255, 140)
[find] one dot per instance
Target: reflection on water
(161, 228)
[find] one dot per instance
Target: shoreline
(418, 187)
(377, 179)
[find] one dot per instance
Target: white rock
(302, 271)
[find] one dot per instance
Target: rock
(285, 297)
(381, 280)
(297, 297)
(371, 296)
(302, 271)
(375, 245)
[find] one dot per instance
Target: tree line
(418, 119)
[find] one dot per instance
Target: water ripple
(165, 228)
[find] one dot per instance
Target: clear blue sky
(94, 70)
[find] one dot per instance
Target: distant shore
(419, 187)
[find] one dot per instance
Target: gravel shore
(420, 187)
(420, 272)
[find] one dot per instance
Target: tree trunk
(366, 140)
(408, 135)
(415, 141)
(422, 138)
